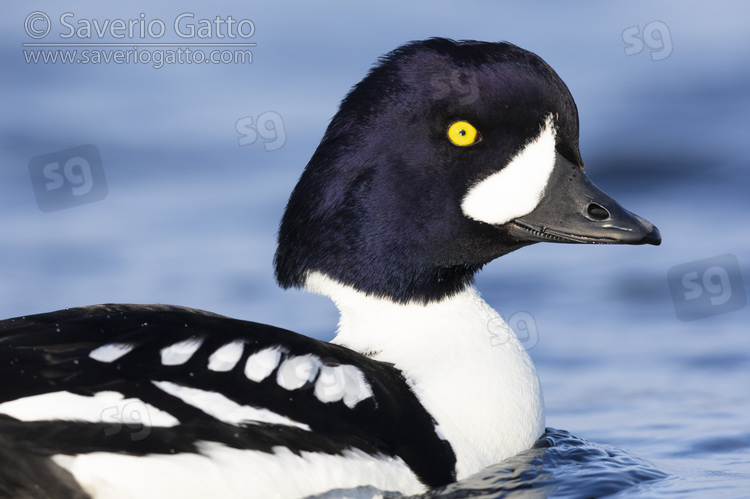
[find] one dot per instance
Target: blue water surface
(643, 352)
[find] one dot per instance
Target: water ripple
(559, 465)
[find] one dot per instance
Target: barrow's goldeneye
(444, 157)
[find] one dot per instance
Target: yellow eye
(463, 133)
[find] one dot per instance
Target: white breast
(484, 394)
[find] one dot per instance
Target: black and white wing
(162, 380)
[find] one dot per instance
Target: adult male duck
(446, 156)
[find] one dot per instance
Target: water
(560, 465)
(644, 404)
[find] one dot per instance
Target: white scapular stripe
(220, 407)
(103, 407)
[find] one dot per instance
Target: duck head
(444, 157)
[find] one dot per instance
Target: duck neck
(464, 363)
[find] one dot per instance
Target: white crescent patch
(518, 188)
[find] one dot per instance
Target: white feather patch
(518, 188)
(220, 407)
(296, 372)
(345, 383)
(261, 364)
(225, 358)
(103, 407)
(179, 353)
(111, 352)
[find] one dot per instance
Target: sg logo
(463, 88)
(707, 287)
(269, 126)
(655, 36)
(134, 415)
(68, 178)
(521, 325)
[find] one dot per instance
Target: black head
(379, 206)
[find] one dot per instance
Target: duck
(446, 156)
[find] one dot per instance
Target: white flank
(111, 352)
(517, 189)
(103, 407)
(179, 353)
(225, 358)
(261, 364)
(296, 372)
(217, 405)
(221, 471)
(485, 397)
